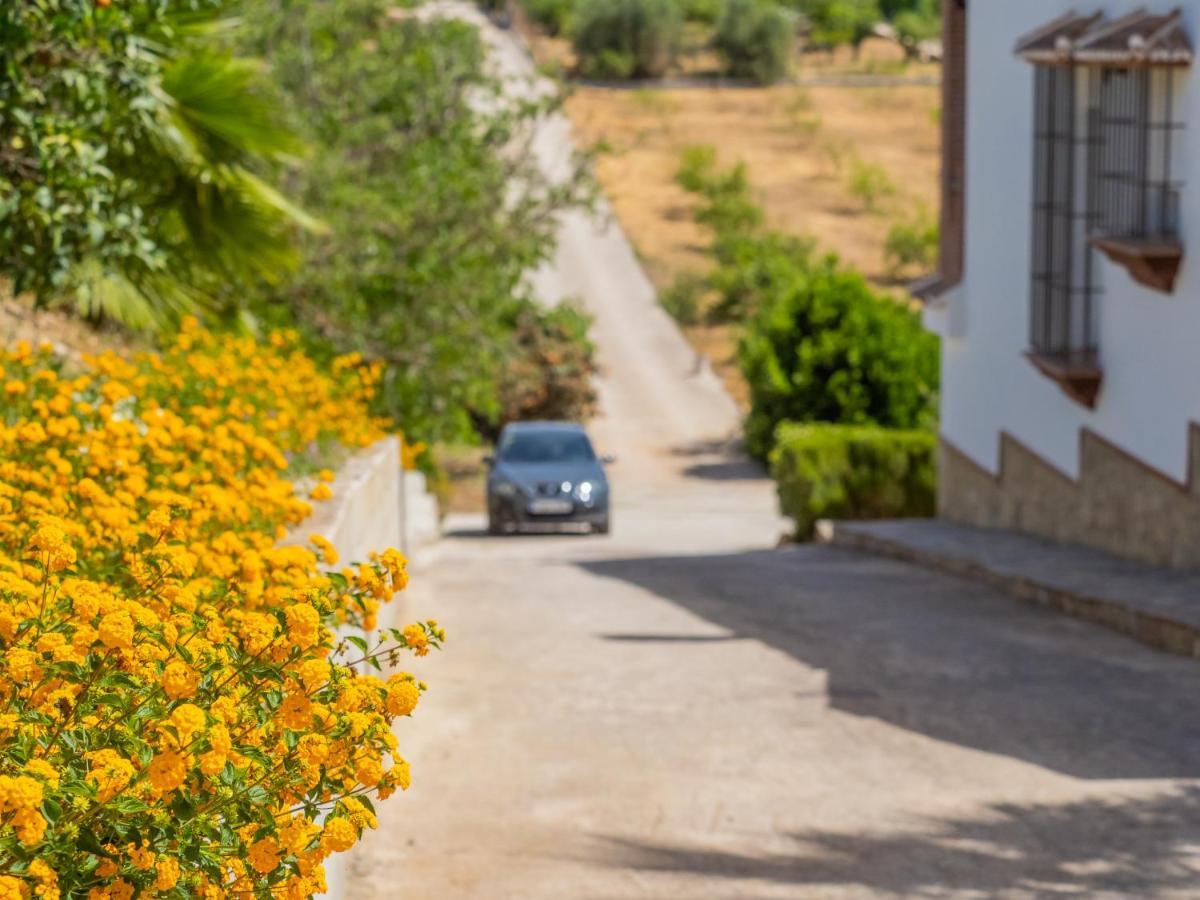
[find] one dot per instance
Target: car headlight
(506, 489)
(584, 490)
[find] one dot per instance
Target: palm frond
(216, 104)
(144, 300)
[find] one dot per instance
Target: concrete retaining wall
(375, 505)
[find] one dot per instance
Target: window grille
(1105, 132)
(1063, 286)
(1135, 130)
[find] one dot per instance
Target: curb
(1157, 631)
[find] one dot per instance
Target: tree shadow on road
(947, 658)
(720, 460)
(1145, 847)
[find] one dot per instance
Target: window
(1137, 197)
(1061, 316)
(540, 447)
(1104, 130)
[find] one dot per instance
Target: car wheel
(499, 524)
(601, 527)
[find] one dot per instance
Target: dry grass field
(845, 151)
(805, 147)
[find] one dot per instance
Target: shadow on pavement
(729, 470)
(1135, 848)
(467, 533)
(948, 658)
(730, 464)
(670, 638)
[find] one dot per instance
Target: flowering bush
(179, 718)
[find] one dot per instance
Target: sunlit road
(682, 710)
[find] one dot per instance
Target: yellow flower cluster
(179, 718)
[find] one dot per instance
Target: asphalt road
(684, 710)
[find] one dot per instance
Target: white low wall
(422, 523)
(376, 505)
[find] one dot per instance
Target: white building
(1069, 294)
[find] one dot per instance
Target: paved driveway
(683, 710)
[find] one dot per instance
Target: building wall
(1117, 504)
(1149, 341)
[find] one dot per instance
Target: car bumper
(515, 511)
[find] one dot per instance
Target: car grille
(548, 489)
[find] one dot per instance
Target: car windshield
(547, 447)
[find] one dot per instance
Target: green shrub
(750, 266)
(800, 113)
(705, 12)
(839, 21)
(921, 22)
(823, 347)
(627, 38)
(697, 166)
(748, 258)
(682, 300)
(756, 40)
(910, 244)
(851, 472)
(552, 15)
(548, 374)
(869, 183)
(728, 207)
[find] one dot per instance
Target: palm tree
(219, 226)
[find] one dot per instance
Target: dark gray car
(544, 475)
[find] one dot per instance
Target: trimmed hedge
(627, 38)
(852, 472)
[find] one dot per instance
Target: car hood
(529, 475)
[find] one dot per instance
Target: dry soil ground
(19, 321)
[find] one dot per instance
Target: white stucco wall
(1149, 341)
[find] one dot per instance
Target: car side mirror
(608, 459)
(489, 460)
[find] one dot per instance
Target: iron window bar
(1105, 129)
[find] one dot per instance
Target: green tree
(627, 38)
(756, 39)
(912, 243)
(435, 205)
(841, 21)
(131, 159)
(553, 15)
(549, 375)
(920, 23)
(892, 8)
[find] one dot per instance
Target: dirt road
(684, 711)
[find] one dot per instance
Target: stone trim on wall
(1118, 503)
